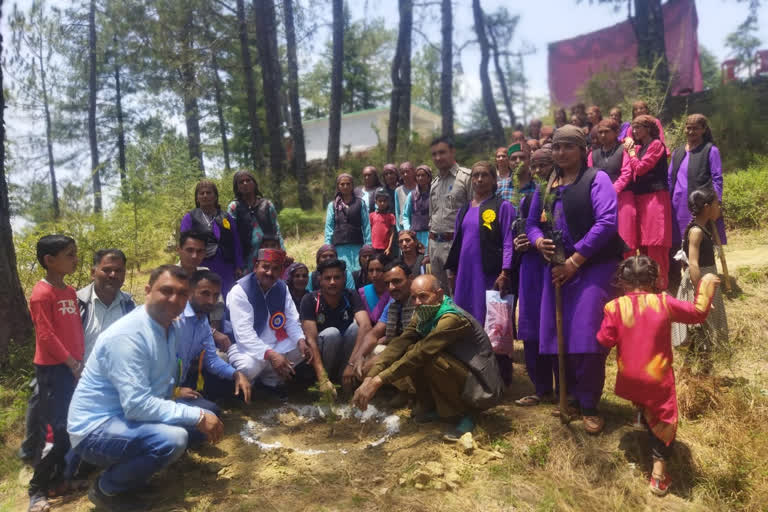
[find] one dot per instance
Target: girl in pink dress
(639, 325)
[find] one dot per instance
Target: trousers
(441, 382)
(335, 348)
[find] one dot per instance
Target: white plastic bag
(498, 321)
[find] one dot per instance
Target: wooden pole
(564, 416)
(719, 244)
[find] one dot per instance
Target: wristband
(573, 261)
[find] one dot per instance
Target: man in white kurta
(268, 335)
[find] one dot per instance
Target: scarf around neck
(427, 315)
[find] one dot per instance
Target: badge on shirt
(320, 318)
(488, 217)
(277, 324)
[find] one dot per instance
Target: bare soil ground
(524, 460)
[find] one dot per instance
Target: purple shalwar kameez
(583, 296)
(540, 367)
(217, 263)
(681, 214)
(471, 281)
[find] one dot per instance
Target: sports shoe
(660, 486)
(122, 502)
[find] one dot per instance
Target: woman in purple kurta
(540, 367)
(481, 254)
(223, 253)
(584, 209)
(706, 169)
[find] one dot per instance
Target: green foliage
(738, 131)
(710, 69)
(295, 221)
(744, 43)
(745, 196)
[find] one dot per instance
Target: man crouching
(447, 355)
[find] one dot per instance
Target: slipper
(660, 486)
(593, 424)
(528, 401)
(38, 503)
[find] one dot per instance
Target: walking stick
(719, 244)
(564, 416)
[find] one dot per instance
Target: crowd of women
(550, 220)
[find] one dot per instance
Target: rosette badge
(277, 324)
(488, 217)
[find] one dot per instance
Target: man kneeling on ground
(448, 356)
(122, 417)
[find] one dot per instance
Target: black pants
(56, 384)
(659, 450)
(34, 442)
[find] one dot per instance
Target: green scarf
(427, 315)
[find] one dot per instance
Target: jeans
(34, 441)
(335, 349)
(56, 384)
(131, 451)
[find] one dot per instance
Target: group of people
(397, 299)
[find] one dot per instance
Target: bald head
(426, 290)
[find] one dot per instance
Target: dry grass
(718, 462)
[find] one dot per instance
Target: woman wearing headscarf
(375, 295)
(370, 183)
(223, 252)
(328, 252)
(361, 276)
(481, 253)
(532, 267)
(573, 225)
(254, 215)
(611, 157)
(347, 224)
(695, 165)
(648, 159)
(297, 279)
(640, 108)
(416, 212)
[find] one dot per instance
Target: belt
(440, 237)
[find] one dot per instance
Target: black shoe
(25, 457)
(117, 503)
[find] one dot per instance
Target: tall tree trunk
(446, 73)
(124, 187)
(334, 115)
(490, 105)
(648, 25)
(257, 150)
(15, 322)
(266, 32)
(500, 77)
(219, 109)
(49, 141)
(400, 108)
(92, 90)
(191, 108)
(299, 160)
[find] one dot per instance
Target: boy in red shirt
(59, 348)
(382, 223)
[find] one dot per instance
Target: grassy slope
(718, 462)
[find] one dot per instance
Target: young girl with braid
(639, 325)
(698, 257)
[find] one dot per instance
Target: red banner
(573, 61)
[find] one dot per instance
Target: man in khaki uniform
(451, 190)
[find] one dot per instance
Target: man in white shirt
(268, 335)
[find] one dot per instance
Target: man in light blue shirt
(122, 417)
(196, 341)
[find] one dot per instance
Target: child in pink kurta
(639, 325)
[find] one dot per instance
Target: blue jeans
(56, 384)
(131, 451)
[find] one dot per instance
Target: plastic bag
(498, 321)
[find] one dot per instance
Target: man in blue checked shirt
(122, 416)
(196, 345)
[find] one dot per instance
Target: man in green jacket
(447, 355)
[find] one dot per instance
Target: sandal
(593, 424)
(660, 485)
(38, 503)
(528, 401)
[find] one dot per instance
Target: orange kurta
(639, 325)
